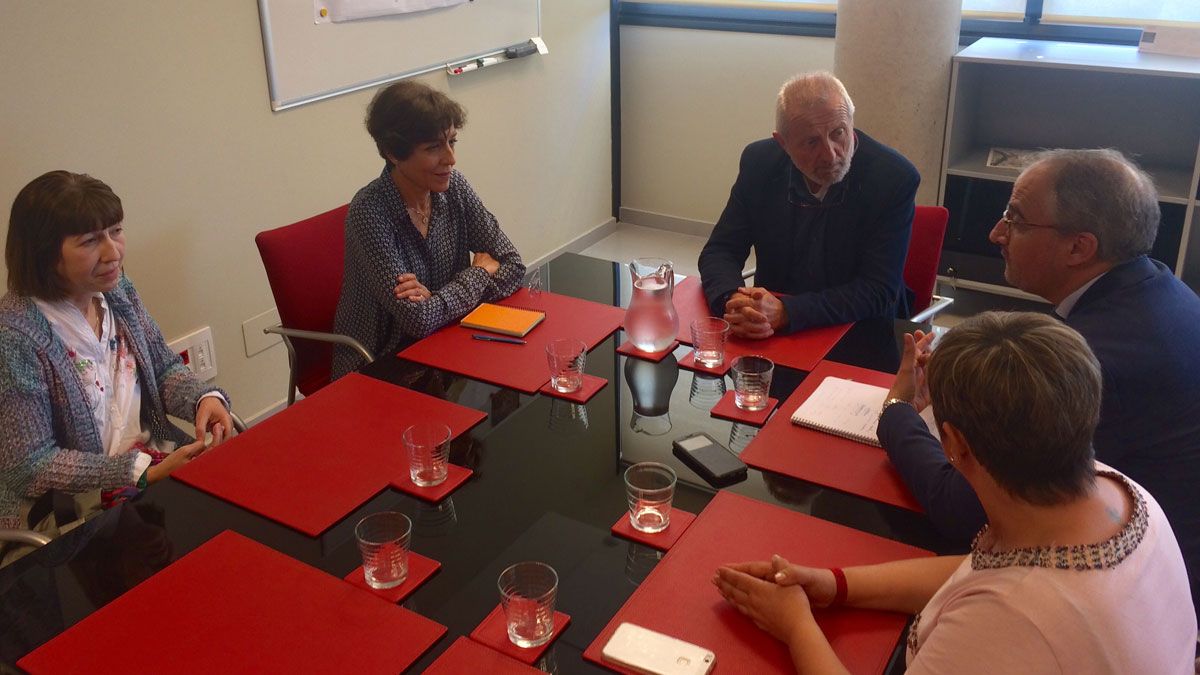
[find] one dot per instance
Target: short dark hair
(408, 113)
(1024, 390)
(50, 208)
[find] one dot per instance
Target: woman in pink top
(1077, 571)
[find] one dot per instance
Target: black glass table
(547, 486)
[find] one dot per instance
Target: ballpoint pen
(492, 338)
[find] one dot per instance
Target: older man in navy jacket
(828, 211)
(1076, 232)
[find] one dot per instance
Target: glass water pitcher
(651, 322)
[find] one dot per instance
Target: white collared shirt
(108, 373)
(1063, 309)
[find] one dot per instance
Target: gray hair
(1104, 193)
(808, 89)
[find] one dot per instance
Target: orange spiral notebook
(503, 320)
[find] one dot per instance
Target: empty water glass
(649, 489)
(383, 539)
(752, 382)
(708, 339)
(428, 446)
(566, 358)
(527, 593)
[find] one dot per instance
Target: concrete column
(894, 58)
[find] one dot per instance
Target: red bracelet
(839, 578)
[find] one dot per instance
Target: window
(1135, 12)
(994, 9)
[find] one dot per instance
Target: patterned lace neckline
(1082, 557)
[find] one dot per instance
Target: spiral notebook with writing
(843, 408)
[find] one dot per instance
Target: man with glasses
(829, 234)
(1077, 231)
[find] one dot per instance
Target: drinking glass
(383, 539)
(527, 594)
(708, 339)
(428, 446)
(649, 489)
(752, 381)
(566, 358)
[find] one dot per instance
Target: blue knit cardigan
(48, 438)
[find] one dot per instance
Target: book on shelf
(503, 320)
(1010, 158)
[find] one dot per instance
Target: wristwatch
(889, 403)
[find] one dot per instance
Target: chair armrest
(938, 304)
(27, 537)
(336, 338)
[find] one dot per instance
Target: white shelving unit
(1031, 94)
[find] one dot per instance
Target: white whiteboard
(309, 61)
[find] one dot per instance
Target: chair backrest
(304, 266)
(924, 254)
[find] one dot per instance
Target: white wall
(690, 101)
(167, 102)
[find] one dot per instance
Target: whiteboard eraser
(517, 51)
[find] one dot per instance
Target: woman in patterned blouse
(86, 378)
(1077, 571)
(421, 249)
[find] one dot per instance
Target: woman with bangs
(421, 249)
(86, 378)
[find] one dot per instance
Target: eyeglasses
(1011, 223)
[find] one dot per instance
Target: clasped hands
(776, 595)
(754, 313)
(408, 288)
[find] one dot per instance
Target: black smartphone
(704, 455)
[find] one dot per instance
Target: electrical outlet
(254, 337)
(198, 352)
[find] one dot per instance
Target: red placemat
(455, 477)
(678, 598)
(825, 459)
(801, 350)
(468, 656)
(420, 569)
(628, 349)
(520, 367)
(322, 458)
(726, 409)
(689, 362)
(493, 633)
(236, 606)
(663, 541)
(591, 386)
(689, 305)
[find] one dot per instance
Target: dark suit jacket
(836, 261)
(1144, 326)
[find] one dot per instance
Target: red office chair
(921, 265)
(304, 266)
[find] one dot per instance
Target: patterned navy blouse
(382, 243)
